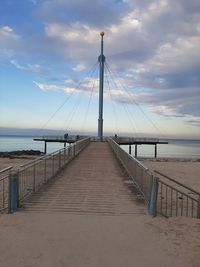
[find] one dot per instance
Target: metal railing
(5, 171)
(167, 196)
(140, 174)
(58, 137)
(35, 173)
(176, 199)
(4, 188)
(121, 139)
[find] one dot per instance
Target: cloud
(99, 13)
(48, 87)
(152, 46)
(52, 87)
(17, 65)
(79, 67)
(194, 122)
(9, 40)
(8, 33)
(34, 68)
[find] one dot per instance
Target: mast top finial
(102, 34)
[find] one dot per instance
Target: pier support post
(155, 150)
(130, 149)
(198, 208)
(13, 191)
(45, 147)
(135, 151)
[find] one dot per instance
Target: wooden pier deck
(93, 183)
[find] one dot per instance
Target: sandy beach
(16, 161)
(62, 239)
(186, 171)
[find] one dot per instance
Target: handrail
(6, 169)
(175, 189)
(138, 172)
(133, 158)
(4, 177)
(161, 196)
(31, 162)
(33, 175)
(174, 181)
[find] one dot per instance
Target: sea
(176, 148)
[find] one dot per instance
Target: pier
(58, 139)
(118, 139)
(93, 183)
(88, 205)
(139, 141)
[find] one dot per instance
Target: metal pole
(155, 150)
(135, 151)
(13, 201)
(130, 149)
(101, 60)
(45, 147)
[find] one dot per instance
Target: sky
(49, 66)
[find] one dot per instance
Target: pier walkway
(93, 183)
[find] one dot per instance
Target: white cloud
(48, 87)
(17, 65)
(34, 68)
(9, 40)
(8, 33)
(79, 67)
(52, 87)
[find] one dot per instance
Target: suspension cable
(135, 102)
(113, 104)
(88, 105)
(77, 104)
(64, 102)
(126, 108)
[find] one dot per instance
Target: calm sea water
(175, 148)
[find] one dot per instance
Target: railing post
(153, 197)
(64, 155)
(59, 161)
(69, 151)
(13, 191)
(45, 170)
(34, 178)
(53, 165)
(74, 150)
(198, 208)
